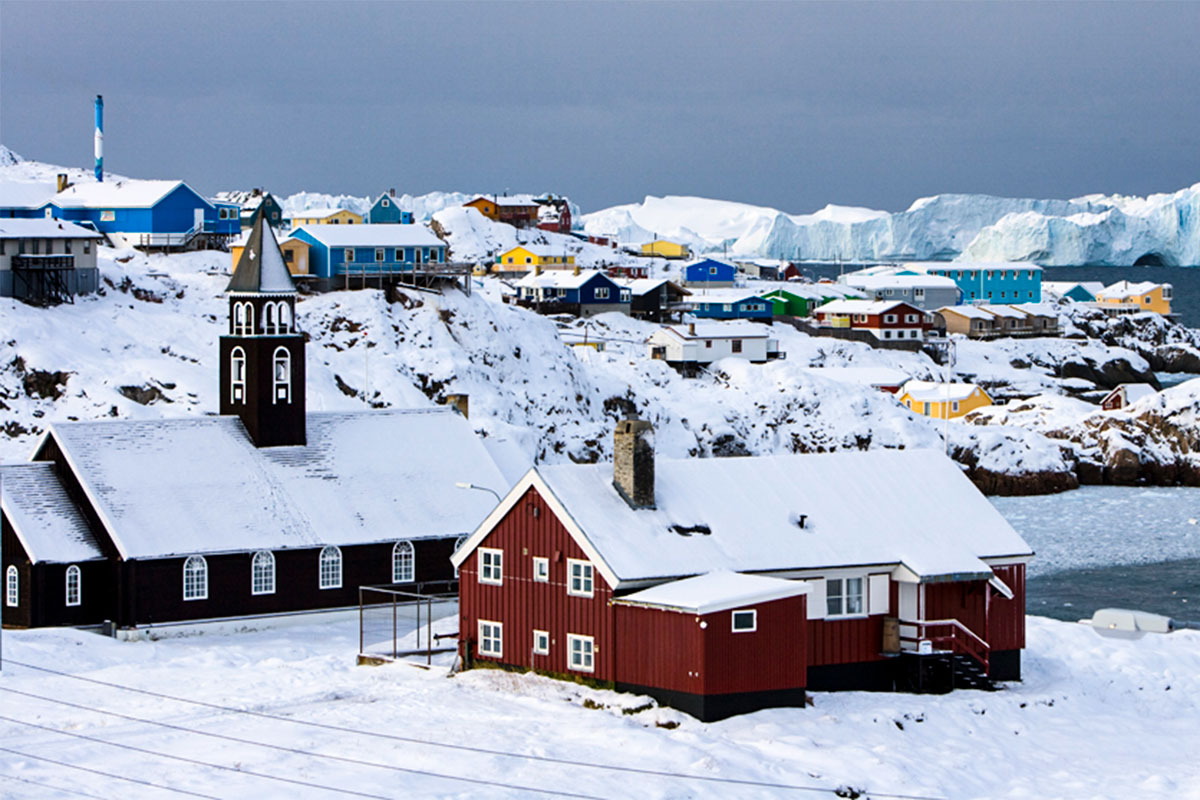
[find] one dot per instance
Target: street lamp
(464, 485)
(1124, 623)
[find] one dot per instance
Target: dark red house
(885, 319)
(921, 588)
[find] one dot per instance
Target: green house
(786, 303)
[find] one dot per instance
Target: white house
(704, 343)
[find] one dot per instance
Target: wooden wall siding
(960, 600)
(152, 590)
(522, 605)
(772, 657)
(1006, 625)
(844, 641)
(663, 649)
(14, 555)
(43, 589)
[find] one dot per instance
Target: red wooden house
(922, 588)
(885, 319)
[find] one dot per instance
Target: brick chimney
(633, 462)
(391, 192)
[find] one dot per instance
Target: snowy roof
(862, 376)
(42, 228)
(900, 281)
(716, 591)
(540, 250)
(558, 278)
(261, 267)
(43, 516)
(742, 514)
(1133, 391)
(967, 312)
(320, 213)
(702, 295)
(1003, 311)
(1122, 289)
(1061, 288)
(932, 391)
(128, 193)
(859, 306)
(715, 330)
(517, 200)
(199, 485)
(925, 266)
(641, 286)
(25, 194)
(384, 235)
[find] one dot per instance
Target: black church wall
(13, 554)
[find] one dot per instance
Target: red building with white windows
(716, 588)
(885, 319)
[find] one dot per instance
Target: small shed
(1126, 394)
(715, 645)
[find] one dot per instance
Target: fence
(393, 624)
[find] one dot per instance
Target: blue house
(1010, 282)
(341, 251)
(732, 304)
(709, 272)
(148, 213)
(581, 292)
(385, 211)
(25, 199)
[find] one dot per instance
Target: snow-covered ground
(1093, 718)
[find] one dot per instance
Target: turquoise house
(384, 211)
(1015, 282)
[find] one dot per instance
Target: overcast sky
(791, 105)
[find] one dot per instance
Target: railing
(394, 623)
(33, 261)
(954, 637)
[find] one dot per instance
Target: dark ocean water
(1168, 587)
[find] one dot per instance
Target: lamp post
(464, 485)
(1125, 623)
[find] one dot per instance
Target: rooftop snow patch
(126, 193)
(382, 235)
(43, 516)
(42, 228)
(716, 591)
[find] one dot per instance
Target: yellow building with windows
(931, 399)
(666, 249)
(526, 257)
(1126, 297)
(326, 216)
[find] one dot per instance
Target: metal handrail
(980, 651)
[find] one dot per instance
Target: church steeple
(262, 356)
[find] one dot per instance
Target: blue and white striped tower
(99, 137)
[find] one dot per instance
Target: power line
(51, 786)
(298, 751)
(473, 748)
(107, 774)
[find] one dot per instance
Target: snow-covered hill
(1091, 230)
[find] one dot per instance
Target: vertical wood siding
(1006, 625)
(844, 641)
(523, 605)
(770, 658)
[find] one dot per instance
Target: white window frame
(12, 586)
(541, 642)
(600, 293)
(586, 579)
(889, 318)
(385, 202)
(733, 620)
(281, 386)
(404, 562)
(329, 567)
(954, 406)
(195, 588)
(491, 566)
(842, 596)
(237, 375)
(541, 569)
(262, 573)
(74, 588)
(496, 635)
(378, 254)
(587, 653)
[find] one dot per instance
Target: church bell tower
(262, 356)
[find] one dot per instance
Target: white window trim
(269, 587)
(499, 637)
(591, 649)
(545, 636)
(753, 612)
(12, 587)
(541, 569)
(399, 549)
(336, 553)
(498, 566)
(843, 614)
(73, 570)
(203, 595)
(590, 569)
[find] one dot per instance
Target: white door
(199, 219)
(909, 609)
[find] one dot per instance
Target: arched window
(239, 318)
(331, 568)
(262, 573)
(285, 317)
(195, 578)
(403, 563)
(282, 373)
(458, 543)
(237, 375)
(74, 586)
(12, 587)
(269, 319)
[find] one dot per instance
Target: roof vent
(799, 520)
(689, 530)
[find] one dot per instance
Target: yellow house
(295, 253)
(666, 249)
(526, 257)
(1125, 297)
(931, 399)
(325, 216)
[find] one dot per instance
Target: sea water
(1110, 546)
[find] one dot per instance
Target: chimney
(462, 402)
(691, 329)
(63, 183)
(633, 462)
(99, 138)
(391, 192)
(576, 269)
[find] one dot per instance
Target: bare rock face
(1007, 485)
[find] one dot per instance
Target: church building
(264, 509)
